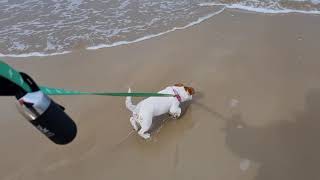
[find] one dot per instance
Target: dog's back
(158, 105)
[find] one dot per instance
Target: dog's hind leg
(145, 126)
(133, 123)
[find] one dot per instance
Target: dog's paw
(145, 135)
(174, 115)
(135, 128)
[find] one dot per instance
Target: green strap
(14, 76)
(58, 91)
(11, 74)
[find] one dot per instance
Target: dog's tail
(129, 104)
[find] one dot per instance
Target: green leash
(14, 76)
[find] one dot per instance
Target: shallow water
(48, 27)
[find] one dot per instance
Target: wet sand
(255, 115)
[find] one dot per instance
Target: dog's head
(185, 92)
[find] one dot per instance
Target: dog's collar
(176, 94)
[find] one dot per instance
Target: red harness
(176, 94)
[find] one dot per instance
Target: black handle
(8, 88)
(56, 125)
(54, 122)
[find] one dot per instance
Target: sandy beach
(255, 115)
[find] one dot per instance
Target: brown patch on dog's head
(179, 85)
(190, 90)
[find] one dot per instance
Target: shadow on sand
(286, 150)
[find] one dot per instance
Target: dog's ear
(179, 85)
(190, 90)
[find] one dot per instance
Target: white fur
(144, 111)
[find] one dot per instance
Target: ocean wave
(276, 9)
(34, 54)
(41, 54)
(156, 35)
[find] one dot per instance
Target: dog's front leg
(175, 110)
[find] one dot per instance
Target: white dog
(144, 111)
